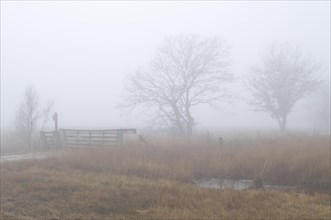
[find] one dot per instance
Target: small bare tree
(187, 71)
(321, 110)
(29, 113)
(46, 114)
(284, 77)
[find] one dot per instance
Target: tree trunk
(282, 124)
(190, 128)
(189, 123)
(29, 133)
(29, 140)
(178, 121)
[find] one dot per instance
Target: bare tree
(46, 113)
(29, 113)
(187, 71)
(284, 77)
(321, 110)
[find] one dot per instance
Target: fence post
(55, 121)
(120, 137)
(89, 139)
(220, 140)
(43, 139)
(77, 137)
(57, 139)
(103, 137)
(64, 138)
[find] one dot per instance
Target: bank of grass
(298, 161)
(156, 181)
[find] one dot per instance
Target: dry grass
(156, 181)
(295, 161)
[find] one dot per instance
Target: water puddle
(233, 184)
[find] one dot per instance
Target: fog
(79, 53)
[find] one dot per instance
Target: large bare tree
(29, 113)
(187, 71)
(284, 77)
(321, 110)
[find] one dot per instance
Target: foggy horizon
(79, 53)
(165, 110)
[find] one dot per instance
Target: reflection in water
(233, 184)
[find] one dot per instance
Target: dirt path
(16, 157)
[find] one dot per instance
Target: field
(157, 181)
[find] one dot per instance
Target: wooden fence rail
(50, 139)
(74, 137)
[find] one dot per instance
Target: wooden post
(56, 134)
(77, 137)
(142, 140)
(220, 140)
(43, 141)
(64, 137)
(120, 137)
(103, 137)
(55, 120)
(90, 136)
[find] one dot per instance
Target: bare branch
(46, 113)
(284, 77)
(187, 71)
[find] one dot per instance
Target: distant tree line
(189, 70)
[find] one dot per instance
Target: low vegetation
(156, 181)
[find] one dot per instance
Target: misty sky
(78, 53)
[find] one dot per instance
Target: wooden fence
(50, 139)
(74, 137)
